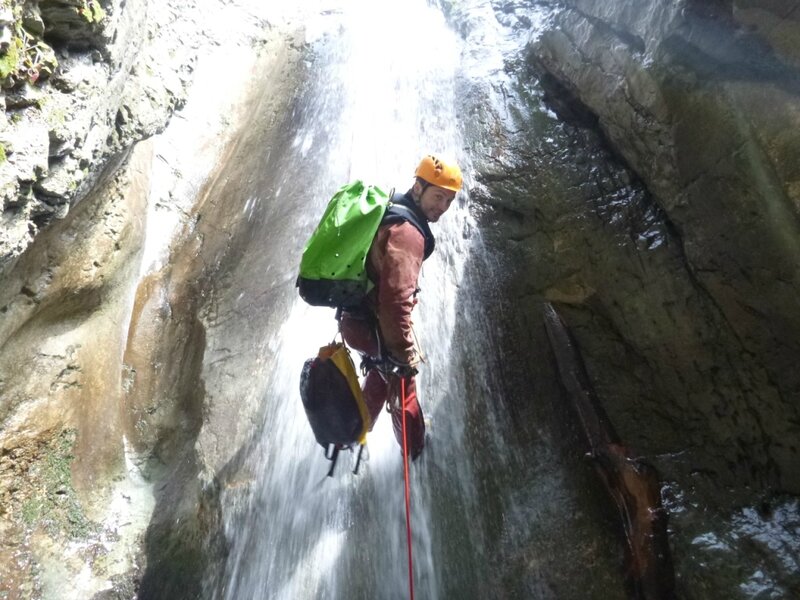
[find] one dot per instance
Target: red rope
(408, 489)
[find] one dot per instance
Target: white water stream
(381, 94)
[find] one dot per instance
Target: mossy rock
(53, 503)
(9, 62)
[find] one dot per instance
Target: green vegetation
(3, 157)
(31, 509)
(56, 506)
(92, 11)
(56, 116)
(9, 62)
(27, 57)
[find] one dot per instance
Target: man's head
(437, 183)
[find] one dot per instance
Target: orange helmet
(439, 172)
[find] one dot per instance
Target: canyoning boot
(426, 446)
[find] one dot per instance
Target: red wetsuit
(393, 264)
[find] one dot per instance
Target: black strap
(403, 208)
(332, 454)
(358, 458)
(333, 449)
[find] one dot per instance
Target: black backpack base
(336, 415)
(331, 293)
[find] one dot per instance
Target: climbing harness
(407, 489)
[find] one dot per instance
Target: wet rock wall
(628, 173)
(103, 388)
(80, 85)
(60, 378)
(82, 80)
(685, 110)
(679, 99)
(197, 351)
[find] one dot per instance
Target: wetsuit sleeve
(399, 271)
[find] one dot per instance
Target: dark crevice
(565, 103)
(572, 111)
(633, 41)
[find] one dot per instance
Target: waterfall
(380, 94)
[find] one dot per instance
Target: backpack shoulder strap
(401, 208)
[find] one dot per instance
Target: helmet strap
(425, 185)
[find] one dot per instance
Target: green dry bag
(333, 267)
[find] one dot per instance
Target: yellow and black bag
(333, 402)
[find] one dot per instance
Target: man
(382, 328)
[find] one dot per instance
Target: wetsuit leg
(358, 330)
(376, 392)
(415, 423)
(359, 333)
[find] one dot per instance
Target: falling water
(378, 97)
(493, 512)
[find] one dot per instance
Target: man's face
(435, 201)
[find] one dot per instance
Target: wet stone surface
(571, 216)
(622, 168)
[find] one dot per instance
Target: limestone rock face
(678, 89)
(84, 81)
(61, 345)
(633, 163)
(631, 173)
(105, 379)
